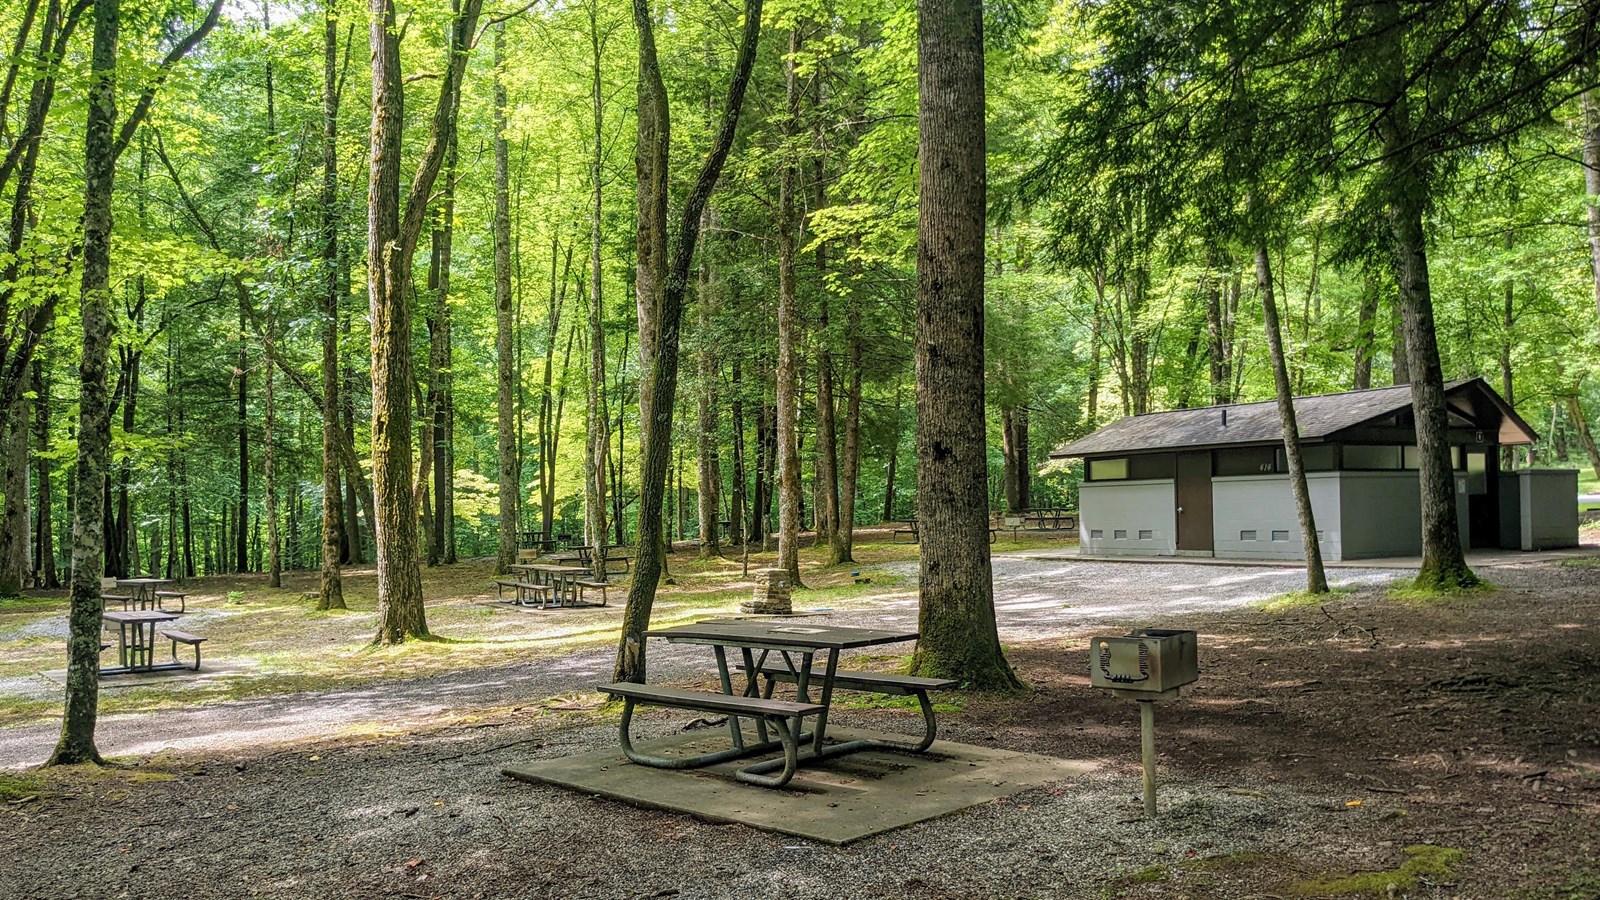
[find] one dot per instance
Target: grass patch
(1582, 562)
(853, 700)
(1299, 599)
(1423, 861)
(15, 787)
(1583, 884)
(1411, 592)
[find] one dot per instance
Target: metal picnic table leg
(727, 688)
(122, 643)
(827, 695)
(752, 686)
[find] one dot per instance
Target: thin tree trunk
(659, 362)
(1580, 424)
(597, 450)
(14, 531)
(1366, 337)
(788, 334)
(706, 354)
(505, 392)
(736, 503)
(330, 594)
(269, 473)
(45, 575)
(845, 535)
(1591, 183)
(956, 618)
(1316, 579)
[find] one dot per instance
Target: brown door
(1194, 501)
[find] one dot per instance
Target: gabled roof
(1320, 417)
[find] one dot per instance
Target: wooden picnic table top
(766, 633)
(143, 581)
(131, 616)
(560, 569)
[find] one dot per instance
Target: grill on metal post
(1147, 664)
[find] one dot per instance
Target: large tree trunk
(956, 619)
(506, 386)
(76, 744)
(788, 336)
(1444, 563)
(391, 240)
(1316, 579)
(659, 363)
(330, 594)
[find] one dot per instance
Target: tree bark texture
(1444, 563)
(788, 332)
(1316, 578)
(1591, 182)
(330, 594)
(392, 235)
(14, 530)
(660, 378)
(506, 384)
(597, 447)
(76, 743)
(956, 618)
(709, 470)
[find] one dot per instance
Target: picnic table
(1053, 517)
(136, 641)
(909, 529)
(797, 648)
(566, 584)
(143, 589)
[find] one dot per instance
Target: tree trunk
(1444, 563)
(391, 239)
(1580, 424)
(1316, 579)
(330, 594)
(1366, 337)
(1591, 183)
(506, 385)
(845, 535)
(706, 354)
(736, 503)
(14, 531)
(268, 472)
(597, 448)
(1014, 447)
(76, 744)
(956, 619)
(788, 335)
(659, 378)
(894, 462)
(44, 552)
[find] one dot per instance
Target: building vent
(1096, 534)
(1247, 535)
(1146, 534)
(1120, 534)
(1280, 535)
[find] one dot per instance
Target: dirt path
(1035, 600)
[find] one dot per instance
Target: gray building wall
(1549, 508)
(1380, 514)
(1254, 517)
(1143, 513)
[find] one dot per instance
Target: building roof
(1320, 417)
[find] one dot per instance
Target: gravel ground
(1481, 744)
(1036, 599)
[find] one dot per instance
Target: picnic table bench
(872, 683)
(915, 531)
(526, 592)
(136, 641)
(785, 717)
(1054, 517)
(184, 637)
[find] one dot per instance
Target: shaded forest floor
(1324, 745)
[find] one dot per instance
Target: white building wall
(1381, 514)
(1128, 518)
(1253, 516)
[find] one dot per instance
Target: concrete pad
(836, 802)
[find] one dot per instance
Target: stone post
(771, 597)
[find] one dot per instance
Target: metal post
(1147, 740)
